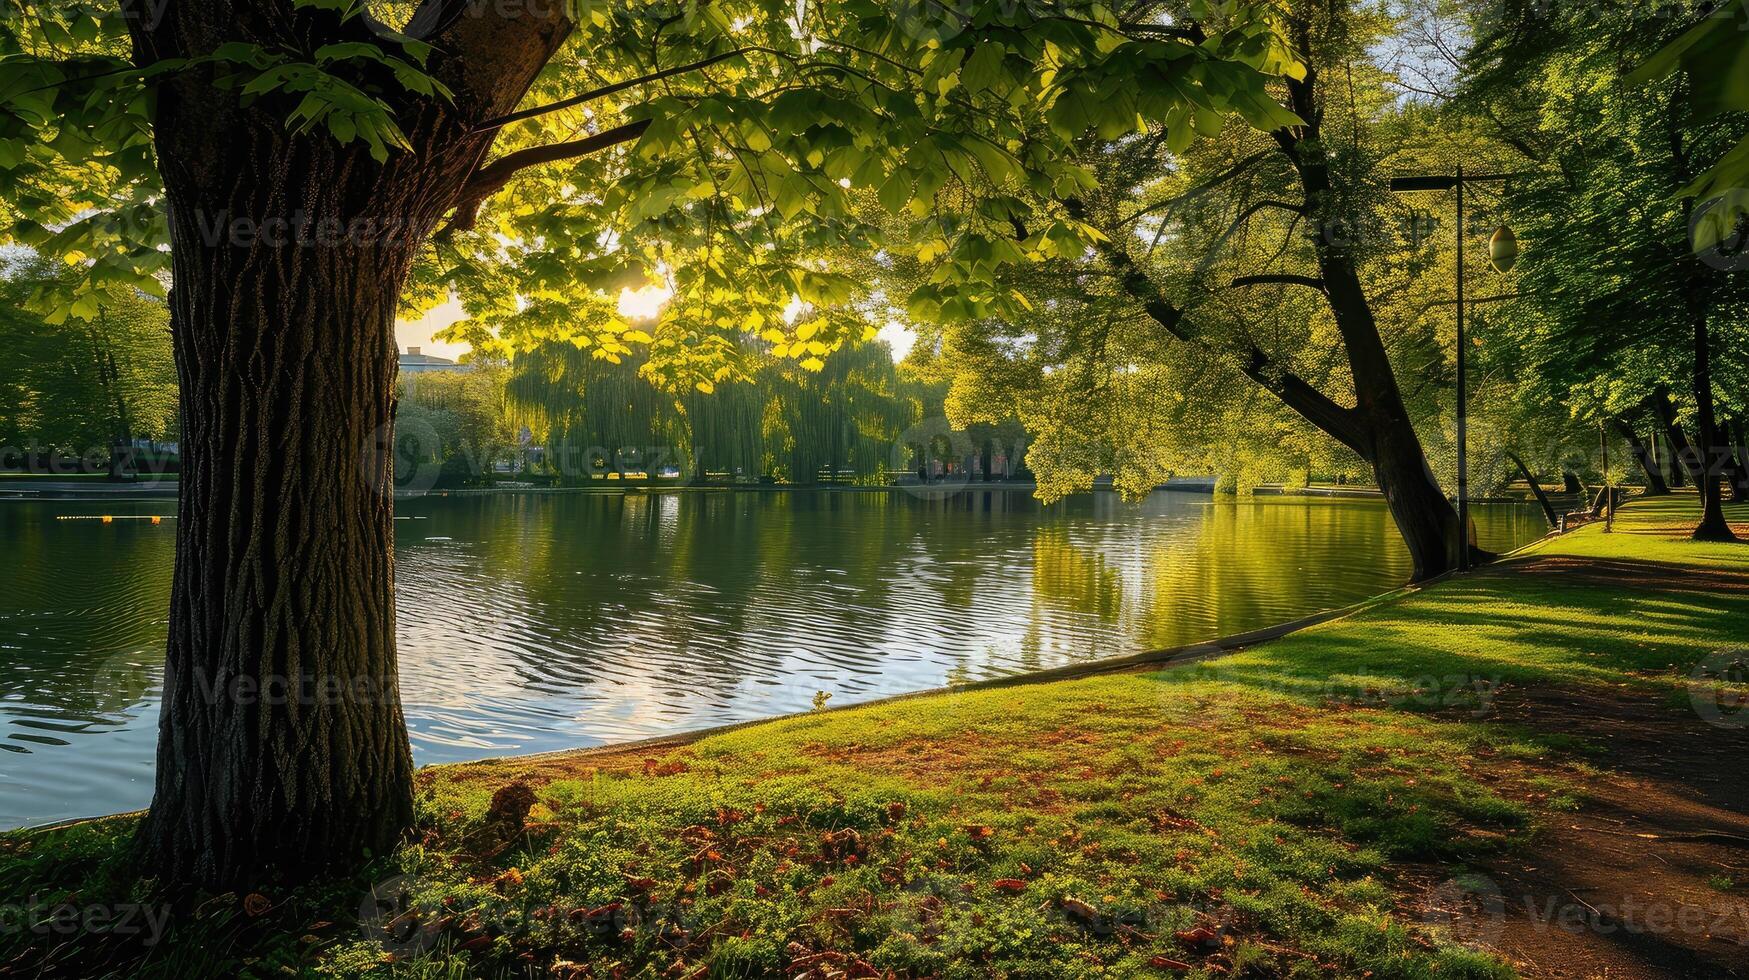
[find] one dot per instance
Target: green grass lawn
(1258, 815)
(1656, 530)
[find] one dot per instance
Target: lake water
(537, 622)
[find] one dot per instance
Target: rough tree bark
(282, 748)
(281, 739)
(1655, 485)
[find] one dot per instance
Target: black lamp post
(1442, 182)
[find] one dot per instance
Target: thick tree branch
(1339, 423)
(1287, 206)
(433, 17)
(1478, 301)
(1136, 283)
(1301, 101)
(1685, 451)
(493, 177)
(1335, 421)
(1536, 488)
(1278, 279)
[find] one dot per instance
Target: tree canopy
(714, 149)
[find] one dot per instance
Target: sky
(417, 333)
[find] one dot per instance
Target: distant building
(417, 362)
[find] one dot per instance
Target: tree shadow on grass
(1628, 574)
(1564, 653)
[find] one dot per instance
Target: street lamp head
(1503, 249)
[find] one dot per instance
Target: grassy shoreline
(1270, 812)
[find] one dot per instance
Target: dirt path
(1649, 877)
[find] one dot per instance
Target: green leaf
(984, 70)
(895, 192)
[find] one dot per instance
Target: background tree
(848, 422)
(82, 387)
(1274, 257)
(459, 422)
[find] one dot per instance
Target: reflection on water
(531, 623)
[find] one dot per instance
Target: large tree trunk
(282, 745)
(1655, 485)
(1700, 301)
(1423, 514)
(1377, 427)
(282, 748)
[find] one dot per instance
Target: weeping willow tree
(598, 417)
(725, 432)
(595, 417)
(840, 421)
